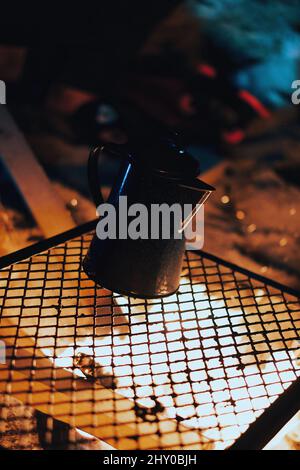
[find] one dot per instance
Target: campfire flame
(164, 358)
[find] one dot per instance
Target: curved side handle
(93, 174)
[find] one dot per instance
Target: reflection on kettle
(158, 174)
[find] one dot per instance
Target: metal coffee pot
(151, 174)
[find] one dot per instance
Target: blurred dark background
(218, 72)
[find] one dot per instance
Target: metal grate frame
(202, 369)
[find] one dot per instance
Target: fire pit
(214, 366)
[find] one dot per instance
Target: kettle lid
(167, 158)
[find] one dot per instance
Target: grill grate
(190, 371)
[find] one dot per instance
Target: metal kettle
(155, 173)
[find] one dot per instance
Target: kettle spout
(194, 194)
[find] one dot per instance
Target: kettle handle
(92, 169)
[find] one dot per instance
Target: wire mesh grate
(190, 371)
